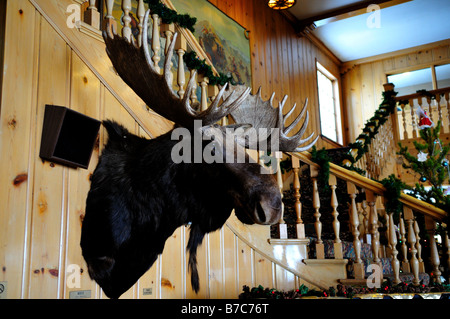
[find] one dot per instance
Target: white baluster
(320, 248)
(336, 225)
(298, 204)
(156, 46)
(413, 118)
(140, 15)
(180, 47)
(126, 31)
(282, 224)
(316, 204)
(204, 92)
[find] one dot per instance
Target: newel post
(91, 15)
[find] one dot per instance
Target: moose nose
(268, 212)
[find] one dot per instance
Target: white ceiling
(401, 26)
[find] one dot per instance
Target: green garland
(371, 128)
(171, 16)
(193, 62)
(394, 188)
(321, 157)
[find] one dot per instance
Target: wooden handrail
(375, 187)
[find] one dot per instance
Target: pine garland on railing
(371, 128)
(169, 16)
(193, 62)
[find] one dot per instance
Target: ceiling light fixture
(281, 4)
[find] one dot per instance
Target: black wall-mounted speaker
(68, 137)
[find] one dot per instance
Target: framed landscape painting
(222, 38)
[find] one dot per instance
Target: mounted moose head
(139, 196)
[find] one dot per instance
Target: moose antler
(262, 115)
(134, 65)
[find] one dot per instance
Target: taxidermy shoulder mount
(139, 196)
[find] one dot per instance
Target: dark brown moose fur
(139, 197)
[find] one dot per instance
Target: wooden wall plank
(216, 265)
(85, 97)
(173, 270)
(16, 115)
(49, 187)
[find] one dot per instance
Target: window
(434, 77)
(330, 112)
(409, 82)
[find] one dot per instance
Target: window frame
(337, 103)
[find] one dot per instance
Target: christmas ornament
(423, 179)
(422, 157)
(444, 162)
(424, 120)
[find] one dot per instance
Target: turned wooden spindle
(430, 225)
(156, 43)
(358, 266)
(140, 13)
(126, 30)
(281, 223)
(393, 243)
(336, 225)
(204, 81)
(193, 96)
(316, 204)
(414, 262)
(447, 248)
(413, 118)
(298, 204)
(419, 247)
(109, 22)
(180, 48)
(404, 247)
(405, 126)
(373, 226)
